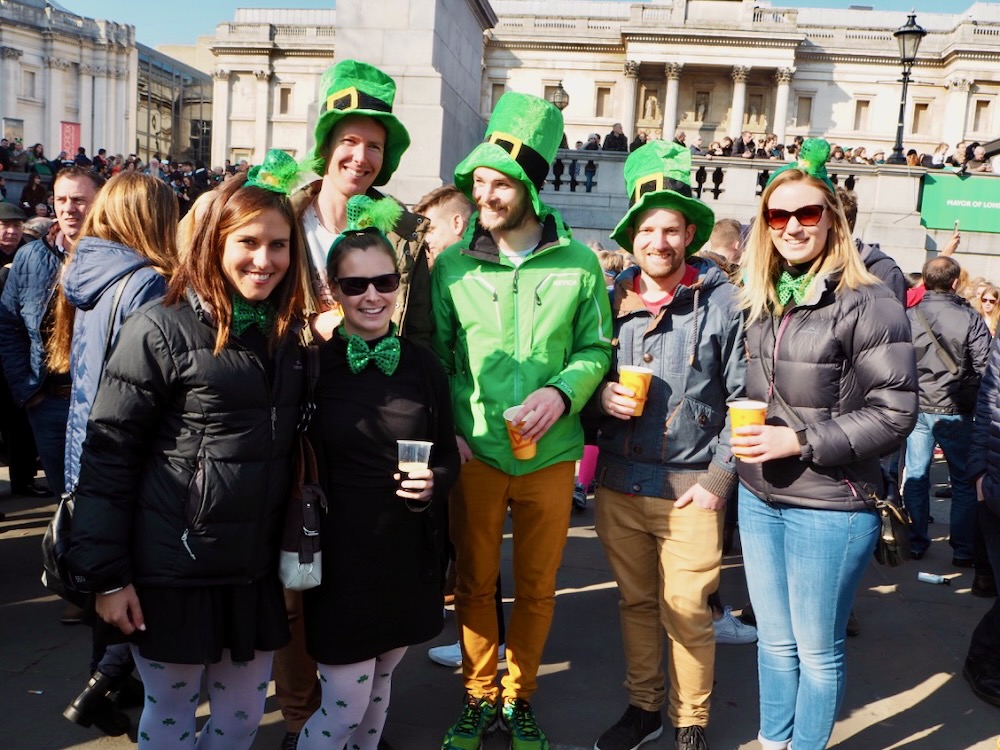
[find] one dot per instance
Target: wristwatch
(805, 449)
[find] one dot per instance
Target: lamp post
(908, 35)
(558, 97)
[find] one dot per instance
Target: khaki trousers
(540, 505)
(296, 685)
(666, 562)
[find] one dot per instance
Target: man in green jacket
(521, 318)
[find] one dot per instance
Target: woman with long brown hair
(116, 266)
(186, 470)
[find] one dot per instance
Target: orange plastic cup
(745, 412)
(522, 447)
(638, 379)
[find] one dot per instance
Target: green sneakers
(478, 718)
(518, 718)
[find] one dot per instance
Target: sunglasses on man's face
(352, 286)
(807, 216)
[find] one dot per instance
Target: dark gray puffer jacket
(845, 364)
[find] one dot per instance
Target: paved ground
(905, 688)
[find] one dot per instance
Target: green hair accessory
(365, 214)
(813, 155)
(279, 173)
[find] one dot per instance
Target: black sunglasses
(807, 216)
(352, 286)
(991, 300)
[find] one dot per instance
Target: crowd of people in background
(335, 308)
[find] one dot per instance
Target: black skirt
(194, 625)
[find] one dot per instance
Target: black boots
(94, 707)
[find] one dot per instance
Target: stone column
(54, 102)
(121, 107)
(783, 77)
(631, 94)
(101, 110)
(261, 114)
(956, 109)
(740, 74)
(673, 71)
(87, 73)
(220, 116)
(8, 94)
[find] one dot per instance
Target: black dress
(383, 564)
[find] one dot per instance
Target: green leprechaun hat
(279, 173)
(521, 141)
(658, 175)
(355, 88)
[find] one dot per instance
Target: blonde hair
(991, 318)
(134, 210)
(761, 261)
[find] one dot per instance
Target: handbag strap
(312, 378)
(943, 353)
(115, 305)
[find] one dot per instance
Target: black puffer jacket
(185, 471)
(962, 332)
(845, 364)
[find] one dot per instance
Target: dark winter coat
(90, 283)
(185, 474)
(964, 335)
(984, 455)
(23, 307)
(844, 362)
(881, 265)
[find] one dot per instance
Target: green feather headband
(812, 160)
(368, 216)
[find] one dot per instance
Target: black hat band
(656, 183)
(532, 162)
(350, 98)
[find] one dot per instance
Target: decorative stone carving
(674, 71)
(959, 83)
(10, 53)
(740, 73)
(784, 75)
(220, 74)
(89, 70)
(57, 63)
(631, 69)
(263, 75)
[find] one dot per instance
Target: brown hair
(132, 210)
(80, 172)
(849, 200)
(446, 195)
(941, 273)
(362, 240)
(235, 206)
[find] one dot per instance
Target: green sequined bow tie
(793, 287)
(246, 315)
(385, 354)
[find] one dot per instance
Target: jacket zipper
(517, 344)
(785, 320)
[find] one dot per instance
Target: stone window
(861, 109)
(921, 117)
(602, 107)
(981, 116)
(497, 90)
(284, 100)
(803, 111)
(29, 82)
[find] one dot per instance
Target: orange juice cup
(636, 378)
(743, 413)
(522, 447)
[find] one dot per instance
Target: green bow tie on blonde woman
(793, 287)
(246, 315)
(385, 355)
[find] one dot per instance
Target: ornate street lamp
(559, 97)
(908, 35)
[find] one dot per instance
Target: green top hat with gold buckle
(658, 175)
(521, 142)
(352, 87)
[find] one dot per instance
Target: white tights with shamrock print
(355, 702)
(236, 693)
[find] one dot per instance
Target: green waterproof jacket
(502, 332)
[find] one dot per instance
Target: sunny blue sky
(183, 21)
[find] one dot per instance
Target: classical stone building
(66, 80)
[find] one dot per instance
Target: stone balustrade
(888, 200)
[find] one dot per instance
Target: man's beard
(517, 214)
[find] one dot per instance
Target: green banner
(971, 200)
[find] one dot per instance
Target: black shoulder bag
(56, 577)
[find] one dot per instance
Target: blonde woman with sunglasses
(987, 304)
(828, 349)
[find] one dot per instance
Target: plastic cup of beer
(523, 447)
(414, 455)
(638, 379)
(743, 413)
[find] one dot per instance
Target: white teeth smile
(259, 276)
(371, 310)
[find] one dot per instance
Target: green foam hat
(521, 142)
(658, 175)
(278, 173)
(812, 159)
(355, 88)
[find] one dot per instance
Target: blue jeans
(48, 421)
(803, 568)
(953, 433)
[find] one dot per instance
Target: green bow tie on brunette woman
(246, 315)
(793, 287)
(385, 355)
